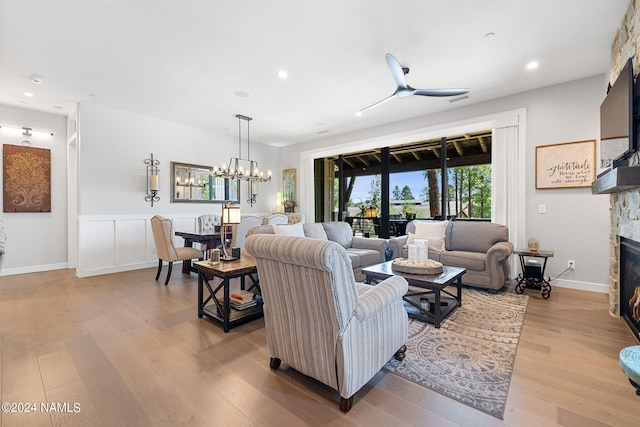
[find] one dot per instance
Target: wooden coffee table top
(442, 280)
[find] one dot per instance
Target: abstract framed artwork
(26, 173)
(567, 165)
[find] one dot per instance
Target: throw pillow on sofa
(295, 230)
(433, 231)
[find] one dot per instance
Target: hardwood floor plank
(132, 351)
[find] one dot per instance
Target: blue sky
(415, 181)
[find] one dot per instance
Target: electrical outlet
(542, 209)
(571, 264)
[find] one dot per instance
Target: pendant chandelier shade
(235, 169)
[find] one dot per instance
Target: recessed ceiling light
(359, 113)
(242, 94)
(282, 74)
(36, 79)
(28, 94)
(532, 65)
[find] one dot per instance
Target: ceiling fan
(404, 89)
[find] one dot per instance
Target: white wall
(37, 241)
(113, 224)
(576, 223)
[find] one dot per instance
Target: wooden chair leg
(401, 353)
(274, 363)
(345, 404)
(159, 269)
(166, 282)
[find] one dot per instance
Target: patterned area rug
(470, 358)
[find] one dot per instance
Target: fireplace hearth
(630, 284)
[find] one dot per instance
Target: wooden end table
(217, 308)
(428, 305)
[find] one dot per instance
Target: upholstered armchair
(319, 320)
(162, 229)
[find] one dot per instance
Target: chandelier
(253, 175)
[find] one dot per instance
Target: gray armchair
(319, 320)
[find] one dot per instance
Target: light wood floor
(132, 352)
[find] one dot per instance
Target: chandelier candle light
(253, 175)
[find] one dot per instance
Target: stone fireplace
(630, 284)
(625, 227)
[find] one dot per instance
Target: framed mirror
(196, 184)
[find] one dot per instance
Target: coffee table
(428, 305)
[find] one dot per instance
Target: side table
(217, 308)
(532, 276)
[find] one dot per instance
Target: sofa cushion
(314, 230)
(433, 231)
(464, 259)
(339, 232)
(475, 236)
(289, 230)
(366, 257)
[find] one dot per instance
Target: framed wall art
(567, 165)
(26, 173)
(289, 189)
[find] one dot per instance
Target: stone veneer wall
(625, 206)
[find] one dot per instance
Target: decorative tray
(429, 267)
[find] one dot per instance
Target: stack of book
(240, 300)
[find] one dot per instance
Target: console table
(216, 307)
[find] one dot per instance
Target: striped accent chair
(319, 320)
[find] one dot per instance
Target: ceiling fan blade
(439, 92)
(396, 71)
(376, 104)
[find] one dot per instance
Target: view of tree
(406, 193)
(396, 194)
(470, 190)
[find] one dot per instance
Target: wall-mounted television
(618, 136)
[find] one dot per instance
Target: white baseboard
(583, 286)
(33, 269)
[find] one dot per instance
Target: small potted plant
(289, 205)
(409, 211)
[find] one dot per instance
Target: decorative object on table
(370, 212)
(567, 165)
(289, 189)
(253, 175)
(214, 256)
(26, 178)
(470, 358)
(533, 245)
(153, 184)
(426, 267)
(230, 215)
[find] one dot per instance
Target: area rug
(470, 358)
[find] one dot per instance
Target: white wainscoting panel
(114, 243)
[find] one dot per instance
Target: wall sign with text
(568, 165)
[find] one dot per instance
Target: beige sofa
(482, 248)
(362, 252)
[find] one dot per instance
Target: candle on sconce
(154, 184)
(254, 188)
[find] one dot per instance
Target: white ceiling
(185, 61)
